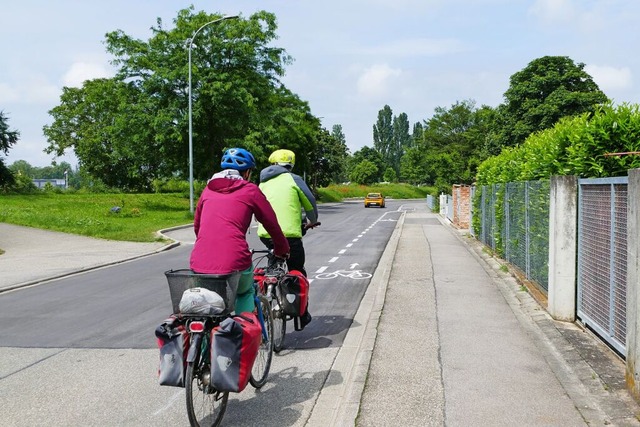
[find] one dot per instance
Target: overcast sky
(351, 57)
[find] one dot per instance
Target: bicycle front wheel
(205, 405)
(279, 320)
(262, 364)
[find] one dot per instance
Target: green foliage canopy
(579, 145)
(133, 128)
(7, 139)
(547, 89)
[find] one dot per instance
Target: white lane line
(342, 251)
(334, 259)
(349, 245)
(321, 269)
(354, 240)
(172, 399)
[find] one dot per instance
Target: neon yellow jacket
(289, 195)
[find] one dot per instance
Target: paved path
(33, 255)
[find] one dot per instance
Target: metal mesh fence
(602, 257)
(514, 222)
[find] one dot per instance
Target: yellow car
(374, 199)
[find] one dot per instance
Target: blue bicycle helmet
(238, 159)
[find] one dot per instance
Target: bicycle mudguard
(194, 348)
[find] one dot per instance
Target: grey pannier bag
(173, 341)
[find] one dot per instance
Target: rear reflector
(196, 326)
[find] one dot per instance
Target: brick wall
(461, 206)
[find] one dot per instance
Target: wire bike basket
(224, 285)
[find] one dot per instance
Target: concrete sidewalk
(452, 339)
(33, 255)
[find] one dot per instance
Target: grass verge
(139, 217)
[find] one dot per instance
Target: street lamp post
(190, 109)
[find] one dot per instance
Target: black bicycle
(205, 404)
(270, 278)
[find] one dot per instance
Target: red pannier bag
(258, 277)
(295, 290)
(173, 342)
(234, 347)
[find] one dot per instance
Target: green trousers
(246, 292)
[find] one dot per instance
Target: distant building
(60, 183)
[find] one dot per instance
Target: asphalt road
(81, 350)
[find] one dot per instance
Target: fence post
(563, 230)
(633, 288)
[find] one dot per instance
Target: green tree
(370, 154)
(413, 167)
(23, 167)
(452, 145)
(383, 135)
(390, 175)
(329, 157)
(416, 134)
(110, 126)
(401, 141)
(7, 139)
(364, 173)
(133, 128)
(546, 90)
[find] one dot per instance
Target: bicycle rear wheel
(205, 405)
(262, 364)
(279, 320)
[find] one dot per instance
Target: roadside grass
(140, 216)
(335, 193)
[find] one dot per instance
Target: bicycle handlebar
(309, 226)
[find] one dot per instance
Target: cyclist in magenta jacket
(223, 216)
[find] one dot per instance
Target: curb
(339, 405)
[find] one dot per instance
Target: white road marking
(334, 259)
(172, 399)
(321, 269)
(342, 251)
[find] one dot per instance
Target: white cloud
(610, 78)
(32, 89)
(587, 17)
(553, 10)
(39, 90)
(81, 71)
(417, 47)
(8, 93)
(376, 79)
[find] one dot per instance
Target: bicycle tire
(262, 364)
(279, 319)
(205, 405)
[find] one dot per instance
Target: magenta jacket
(221, 221)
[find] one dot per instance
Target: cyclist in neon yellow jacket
(289, 196)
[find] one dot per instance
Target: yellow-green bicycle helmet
(283, 158)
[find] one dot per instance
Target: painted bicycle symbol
(349, 274)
